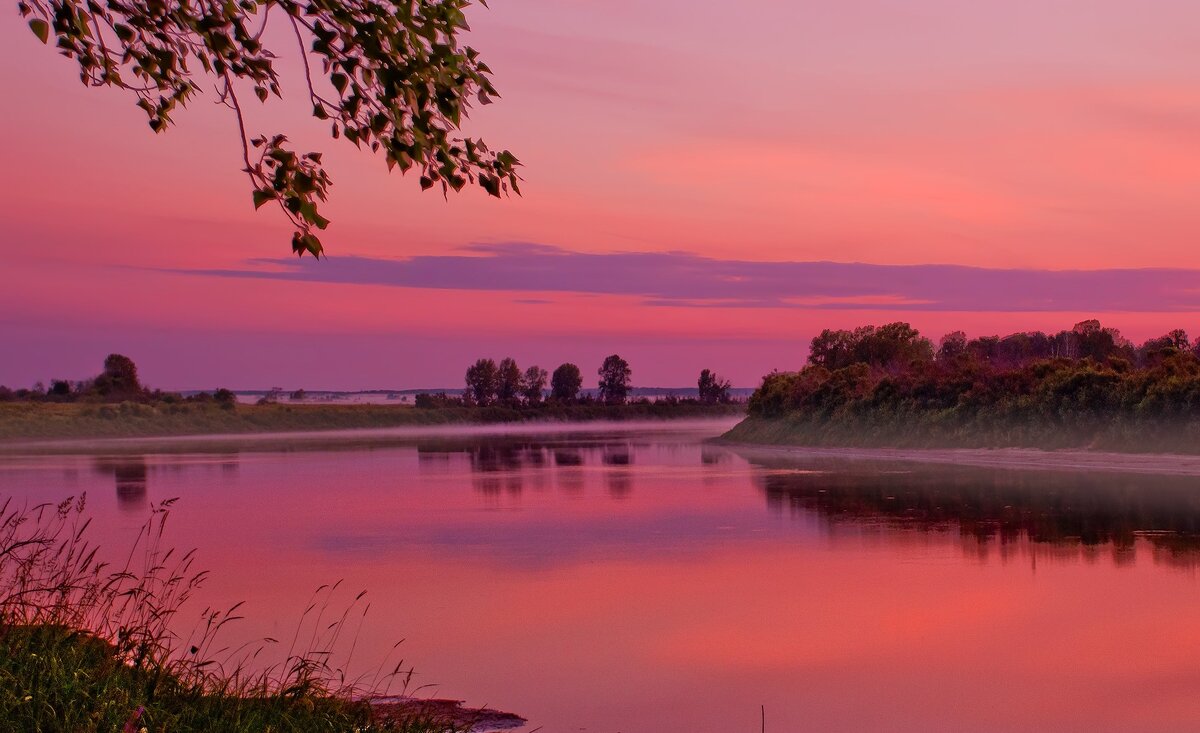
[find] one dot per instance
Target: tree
(614, 380)
(713, 389)
(532, 384)
(482, 379)
(952, 346)
(566, 383)
(508, 382)
(832, 349)
(387, 75)
(119, 380)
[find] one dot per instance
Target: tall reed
(90, 646)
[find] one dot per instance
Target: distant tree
(832, 349)
(566, 383)
(614, 380)
(119, 380)
(297, 395)
(482, 382)
(1155, 350)
(952, 346)
(532, 384)
(225, 398)
(389, 76)
(7, 394)
(1091, 340)
(59, 389)
(891, 346)
(1179, 339)
(508, 382)
(712, 388)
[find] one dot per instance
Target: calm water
(638, 580)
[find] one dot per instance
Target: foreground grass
(946, 430)
(56, 678)
(34, 420)
(85, 647)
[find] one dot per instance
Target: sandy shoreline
(1028, 459)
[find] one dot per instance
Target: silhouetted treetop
(614, 380)
(566, 383)
(482, 380)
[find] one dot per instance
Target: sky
(706, 185)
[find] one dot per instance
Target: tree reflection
(129, 475)
(1088, 515)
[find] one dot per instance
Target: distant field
(42, 421)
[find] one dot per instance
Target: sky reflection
(614, 580)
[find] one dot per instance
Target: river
(635, 578)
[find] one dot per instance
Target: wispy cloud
(683, 279)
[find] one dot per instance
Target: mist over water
(636, 578)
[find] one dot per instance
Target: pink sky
(1024, 136)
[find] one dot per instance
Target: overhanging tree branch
(403, 83)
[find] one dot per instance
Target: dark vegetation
(504, 385)
(1063, 512)
(116, 404)
(1086, 387)
(85, 646)
(118, 383)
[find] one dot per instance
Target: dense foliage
(890, 386)
(388, 76)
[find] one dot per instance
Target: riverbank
(25, 421)
(941, 431)
(756, 436)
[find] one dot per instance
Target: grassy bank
(46, 421)
(85, 646)
(948, 430)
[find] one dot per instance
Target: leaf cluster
(388, 76)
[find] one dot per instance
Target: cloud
(683, 279)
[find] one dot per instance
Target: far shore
(47, 421)
(1026, 459)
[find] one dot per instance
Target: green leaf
(40, 29)
(491, 184)
(262, 196)
(311, 244)
(339, 81)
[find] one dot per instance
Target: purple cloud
(682, 279)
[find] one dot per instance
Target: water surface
(634, 578)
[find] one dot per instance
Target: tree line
(118, 382)
(489, 384)
(892, 383)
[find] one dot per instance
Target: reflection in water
(617, 455)
(129, 474)
(1062, 514)
(567, 457)
(510, 465)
